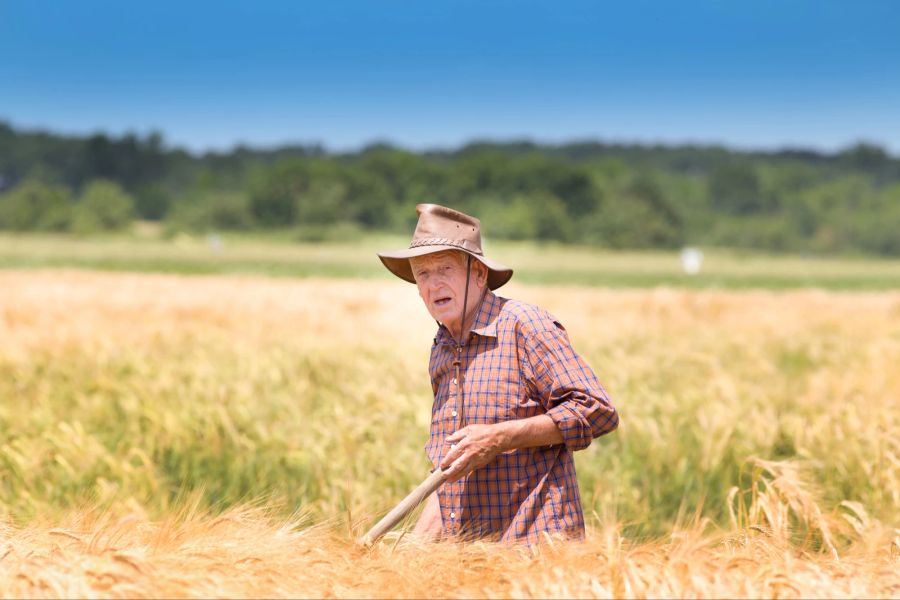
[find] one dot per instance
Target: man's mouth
(442, 301)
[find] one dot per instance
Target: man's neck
(456, 332)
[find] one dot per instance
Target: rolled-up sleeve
(567, 388)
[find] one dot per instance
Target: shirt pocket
(499, 399)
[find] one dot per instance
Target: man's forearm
(539, 430)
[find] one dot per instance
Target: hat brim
(397, 262)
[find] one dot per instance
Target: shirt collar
(485, 323)
(486, 317)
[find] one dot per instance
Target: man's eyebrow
(435, 263)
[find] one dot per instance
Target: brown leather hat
(441, 228)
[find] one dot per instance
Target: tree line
(612, 195)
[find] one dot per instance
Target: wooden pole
(406, 506)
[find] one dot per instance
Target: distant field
(538, 264)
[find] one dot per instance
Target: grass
(540, 264)
(168, 434)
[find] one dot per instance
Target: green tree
(551, 218)
(103, 206)
(273, 199)
(152, 202)
(322, 203)
(572, 184)
(866, 156)
(734, 188)
(512, 220)
(211, 210)
(370, 197)
(638, 216)
(34, 205)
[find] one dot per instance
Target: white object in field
(691, 260)
(214, 242)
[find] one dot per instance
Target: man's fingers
(455, 441)
(448, 460)
(457, 435)
(457, 469)
(455, 451)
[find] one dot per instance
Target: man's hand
(473, 447)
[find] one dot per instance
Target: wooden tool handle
(406, 506)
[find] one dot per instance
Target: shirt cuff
(576, 433)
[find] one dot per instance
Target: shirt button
(453, 413)
(452, 515)
(453, 381)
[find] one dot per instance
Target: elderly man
(512, 399)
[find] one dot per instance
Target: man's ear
(481, 273)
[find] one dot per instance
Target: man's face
(441, 279)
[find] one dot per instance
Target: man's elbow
(606, 422)
(590, 429)
(579, 426)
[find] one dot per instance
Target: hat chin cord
(457, 362)
(462, 322)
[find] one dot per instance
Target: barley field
(232, 435)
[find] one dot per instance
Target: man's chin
(443, 315)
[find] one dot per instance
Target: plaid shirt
(517, 363)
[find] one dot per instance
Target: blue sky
(429, 73)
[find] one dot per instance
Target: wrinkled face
(441, 279)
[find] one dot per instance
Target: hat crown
(439, 225)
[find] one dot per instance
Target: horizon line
(451, 147)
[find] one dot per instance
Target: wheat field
(231, 436)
